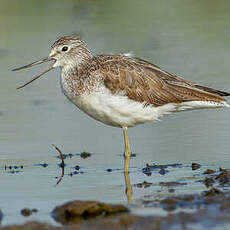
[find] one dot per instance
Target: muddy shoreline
(207, 209)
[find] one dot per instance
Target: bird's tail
(214, 91)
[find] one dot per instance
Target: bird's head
(66, 52)
(69, 51)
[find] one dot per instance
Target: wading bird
(121, 90)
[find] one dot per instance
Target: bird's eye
(64, 48)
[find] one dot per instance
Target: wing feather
(147, 83)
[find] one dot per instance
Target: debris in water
(195, 166)
(85, 155)
(62, 164)
(27, 212)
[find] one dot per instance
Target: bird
(122, 90)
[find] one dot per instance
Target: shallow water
(188, 38)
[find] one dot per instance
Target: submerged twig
(62, 165)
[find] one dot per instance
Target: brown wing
(147, 83)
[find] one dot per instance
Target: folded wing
(146, 83)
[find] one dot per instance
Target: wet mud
(216, 194)
(206, 208)
(181, 221)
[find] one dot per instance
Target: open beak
(43, 60)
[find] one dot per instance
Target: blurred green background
(190, 38)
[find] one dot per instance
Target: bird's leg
(127, 153)
(128, 188)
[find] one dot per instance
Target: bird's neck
(75, 74)
(79, 64)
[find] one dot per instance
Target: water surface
(189, 38)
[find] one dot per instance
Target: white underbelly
(120, 111)
(116, 110)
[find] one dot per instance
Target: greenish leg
(127, 153)
(128, 188)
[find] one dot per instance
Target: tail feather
(214, 91)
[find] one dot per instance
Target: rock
(30, 226)
(76, 211)
(144, 184)
(77, 167)
(223, 177)
(209, 171)
(26, 212)
(209, 182)
(212, 192)
(85, 155)
(180, 220)
(195, 166)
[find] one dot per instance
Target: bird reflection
(62, 164)
(128, 186)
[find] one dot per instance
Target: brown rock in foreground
(182, 221)
(76, 211)
(31, 226)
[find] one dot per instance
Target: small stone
(212, 192)
(26, 212)
(209, 171)
(144, 184)
(223, 176)
(208, 182)
(77, 167)
(85, 155)
(195, 166)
